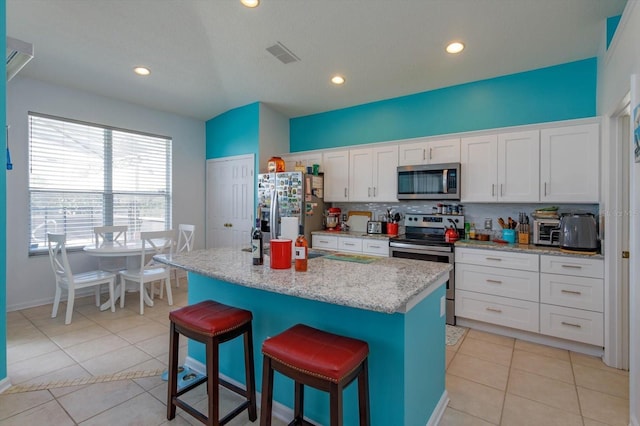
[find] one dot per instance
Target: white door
(519, 166)
(385, 173)
(230, 201)
(360, 175)
(479, 163)
(570, 164)
(336, 175)
(413, 154)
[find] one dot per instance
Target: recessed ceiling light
(250, 3)
(142, 70)
(455, 47)
(337, 80)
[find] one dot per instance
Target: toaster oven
(546, 232)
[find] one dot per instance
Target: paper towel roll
(289, 230)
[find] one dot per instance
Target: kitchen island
(396, 305)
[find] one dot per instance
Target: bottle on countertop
(301, 253)
(472, 231)
(257, 246)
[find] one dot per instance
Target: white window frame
(71, 192)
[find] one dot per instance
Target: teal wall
(234, 132)
(3, 204)
(561, 92)
(612, 26)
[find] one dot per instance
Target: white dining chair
(185, 244)
(104, 235)
(67, 280)
(153, 243)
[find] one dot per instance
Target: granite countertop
(354, 234)
(385, 285)
(524, 248)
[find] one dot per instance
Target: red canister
(280, 254)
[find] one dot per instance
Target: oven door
(431, 254)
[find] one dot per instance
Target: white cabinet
(498, 310)
(429, 152)
(519, 167)
(336, 175)
(306, 159)
(572, 298)
(479, 162)
(569, 166)
(373, 174)
(502, 167)
(347, 244)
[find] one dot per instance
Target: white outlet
(443, 306)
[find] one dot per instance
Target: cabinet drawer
(350, 244)
(578, 266)
(497, 258)
(572, 324)
(503, 311)
(498, 281)
(324, 242)
(573, 292)
(377, 247)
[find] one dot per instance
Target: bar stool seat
(319, 359)
(211, 323)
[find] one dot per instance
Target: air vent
(281, 52)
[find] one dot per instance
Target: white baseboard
(438, 412)
(5, 384)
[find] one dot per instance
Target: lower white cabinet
(514, 313)
(375, 247)
(559, 296)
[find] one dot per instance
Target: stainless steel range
(424, 240)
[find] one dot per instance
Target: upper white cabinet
(307, 159)
(519, 166)
(569, 167)
(336, 175)
(479, 174)
(373, 174)
(429, 152)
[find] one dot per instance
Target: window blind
(83, 175)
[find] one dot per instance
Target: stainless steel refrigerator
(291, 194)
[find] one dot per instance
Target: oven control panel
(433, 221)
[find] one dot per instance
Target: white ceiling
(208, 56)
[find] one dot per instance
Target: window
(83, 175)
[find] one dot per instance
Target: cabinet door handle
(545, 189)
(374, 191)
(430, 153)
(571, 292)
(571, 324)
(493, 190)
(424, 154)
(501, 191)
(572, 266)
(369, 192)
(499, 311)
(494, 281)
(345, 193)
(494, 258)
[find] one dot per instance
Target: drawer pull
(372, 246)
(349, 244)
(494, 281)
(494, 258)
(571, 292)
(572, 266)
(324, 241)
(494, 310)
(571, 325)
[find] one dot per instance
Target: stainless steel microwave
(429, 182)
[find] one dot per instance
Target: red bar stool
(211, 323)
(315, 358)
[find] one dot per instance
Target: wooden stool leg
(298, 413)
(335, 404)
(172, 387)
(213, 381)
(363, 394)
(250, 374)
(267, 392)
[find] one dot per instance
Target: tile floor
(491, 380)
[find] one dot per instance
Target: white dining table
(131, 251)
